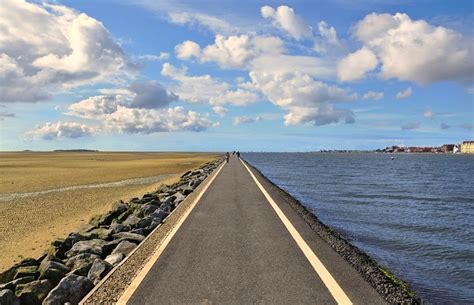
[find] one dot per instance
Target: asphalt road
(234, 249)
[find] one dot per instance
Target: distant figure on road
(238, 155)
(227, 157)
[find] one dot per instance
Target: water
(414, 214)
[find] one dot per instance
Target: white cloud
(74, 50)
(239, 120)
(404, 93)
(411, 126)
(356, 65)
(50, 131)
(428, 114)
(327, 41)
(285, 18)
(187, 50)
(221, 111)
(215, 24)
(414, 50)
(205, 89)
(95, 107)
(153, 57)
(305, 99)
(5, 114)
(147, 95)
(231, 51)
(150, 95)
(372, 95)
(132, 120)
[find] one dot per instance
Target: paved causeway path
(242, 245)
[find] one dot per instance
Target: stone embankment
(74, 265)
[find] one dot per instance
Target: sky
(147, 75)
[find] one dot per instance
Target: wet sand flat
(29, 223)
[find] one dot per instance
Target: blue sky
(224, 75)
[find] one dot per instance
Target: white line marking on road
(333, 287)
(142, 274)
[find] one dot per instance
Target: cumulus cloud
(414, 50)
(221, 111)
(305, 99)
(356, 65)
(205, 89)
(95, 107)
(187, 50)
(444, 126)
(145, 121)
(285, 18)
(327, 40)
(404, 93)
(239, 120)
(231, 51)
(372, 95)
(411, 126)
(50, 131)
(150, 95)
(47, 48)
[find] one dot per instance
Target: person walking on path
(227, 157)
(238, 155)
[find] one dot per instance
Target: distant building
(467, 147)
(447, 148)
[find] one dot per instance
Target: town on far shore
(466, 147)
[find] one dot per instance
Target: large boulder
(33, 293)
(9, 274)
(144, 222)
(137, 238)
(81, 264)
(7, 297)
(159, 215)
(116, 228)
(125, 247)
(98, 270)
(131, 221)
(71, 290)
(180, 197)
(23, 271)
(115, 259)
(146, 210)
(52, 271)
(86, 246)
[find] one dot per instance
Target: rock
(159, 215)
(102, 233)
(144, 222)
(114, 259)
(12, 284)
(86, 246)
(26, 271)
(80, 264)
(154, 202)
(139, 231)
(146, 210)
(180, 197)
(98, 270)
(9, 274)
(131, 221)
(153, 225)
(116, 228)
(124, 215)
(169, 200)
(187, 189)
(125, 247)
(71, 290)
(53, 275)
(129, 236)
(45, 265)
(7, 297)
(119, 207)
(33, 293)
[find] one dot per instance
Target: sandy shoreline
(29, 224)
